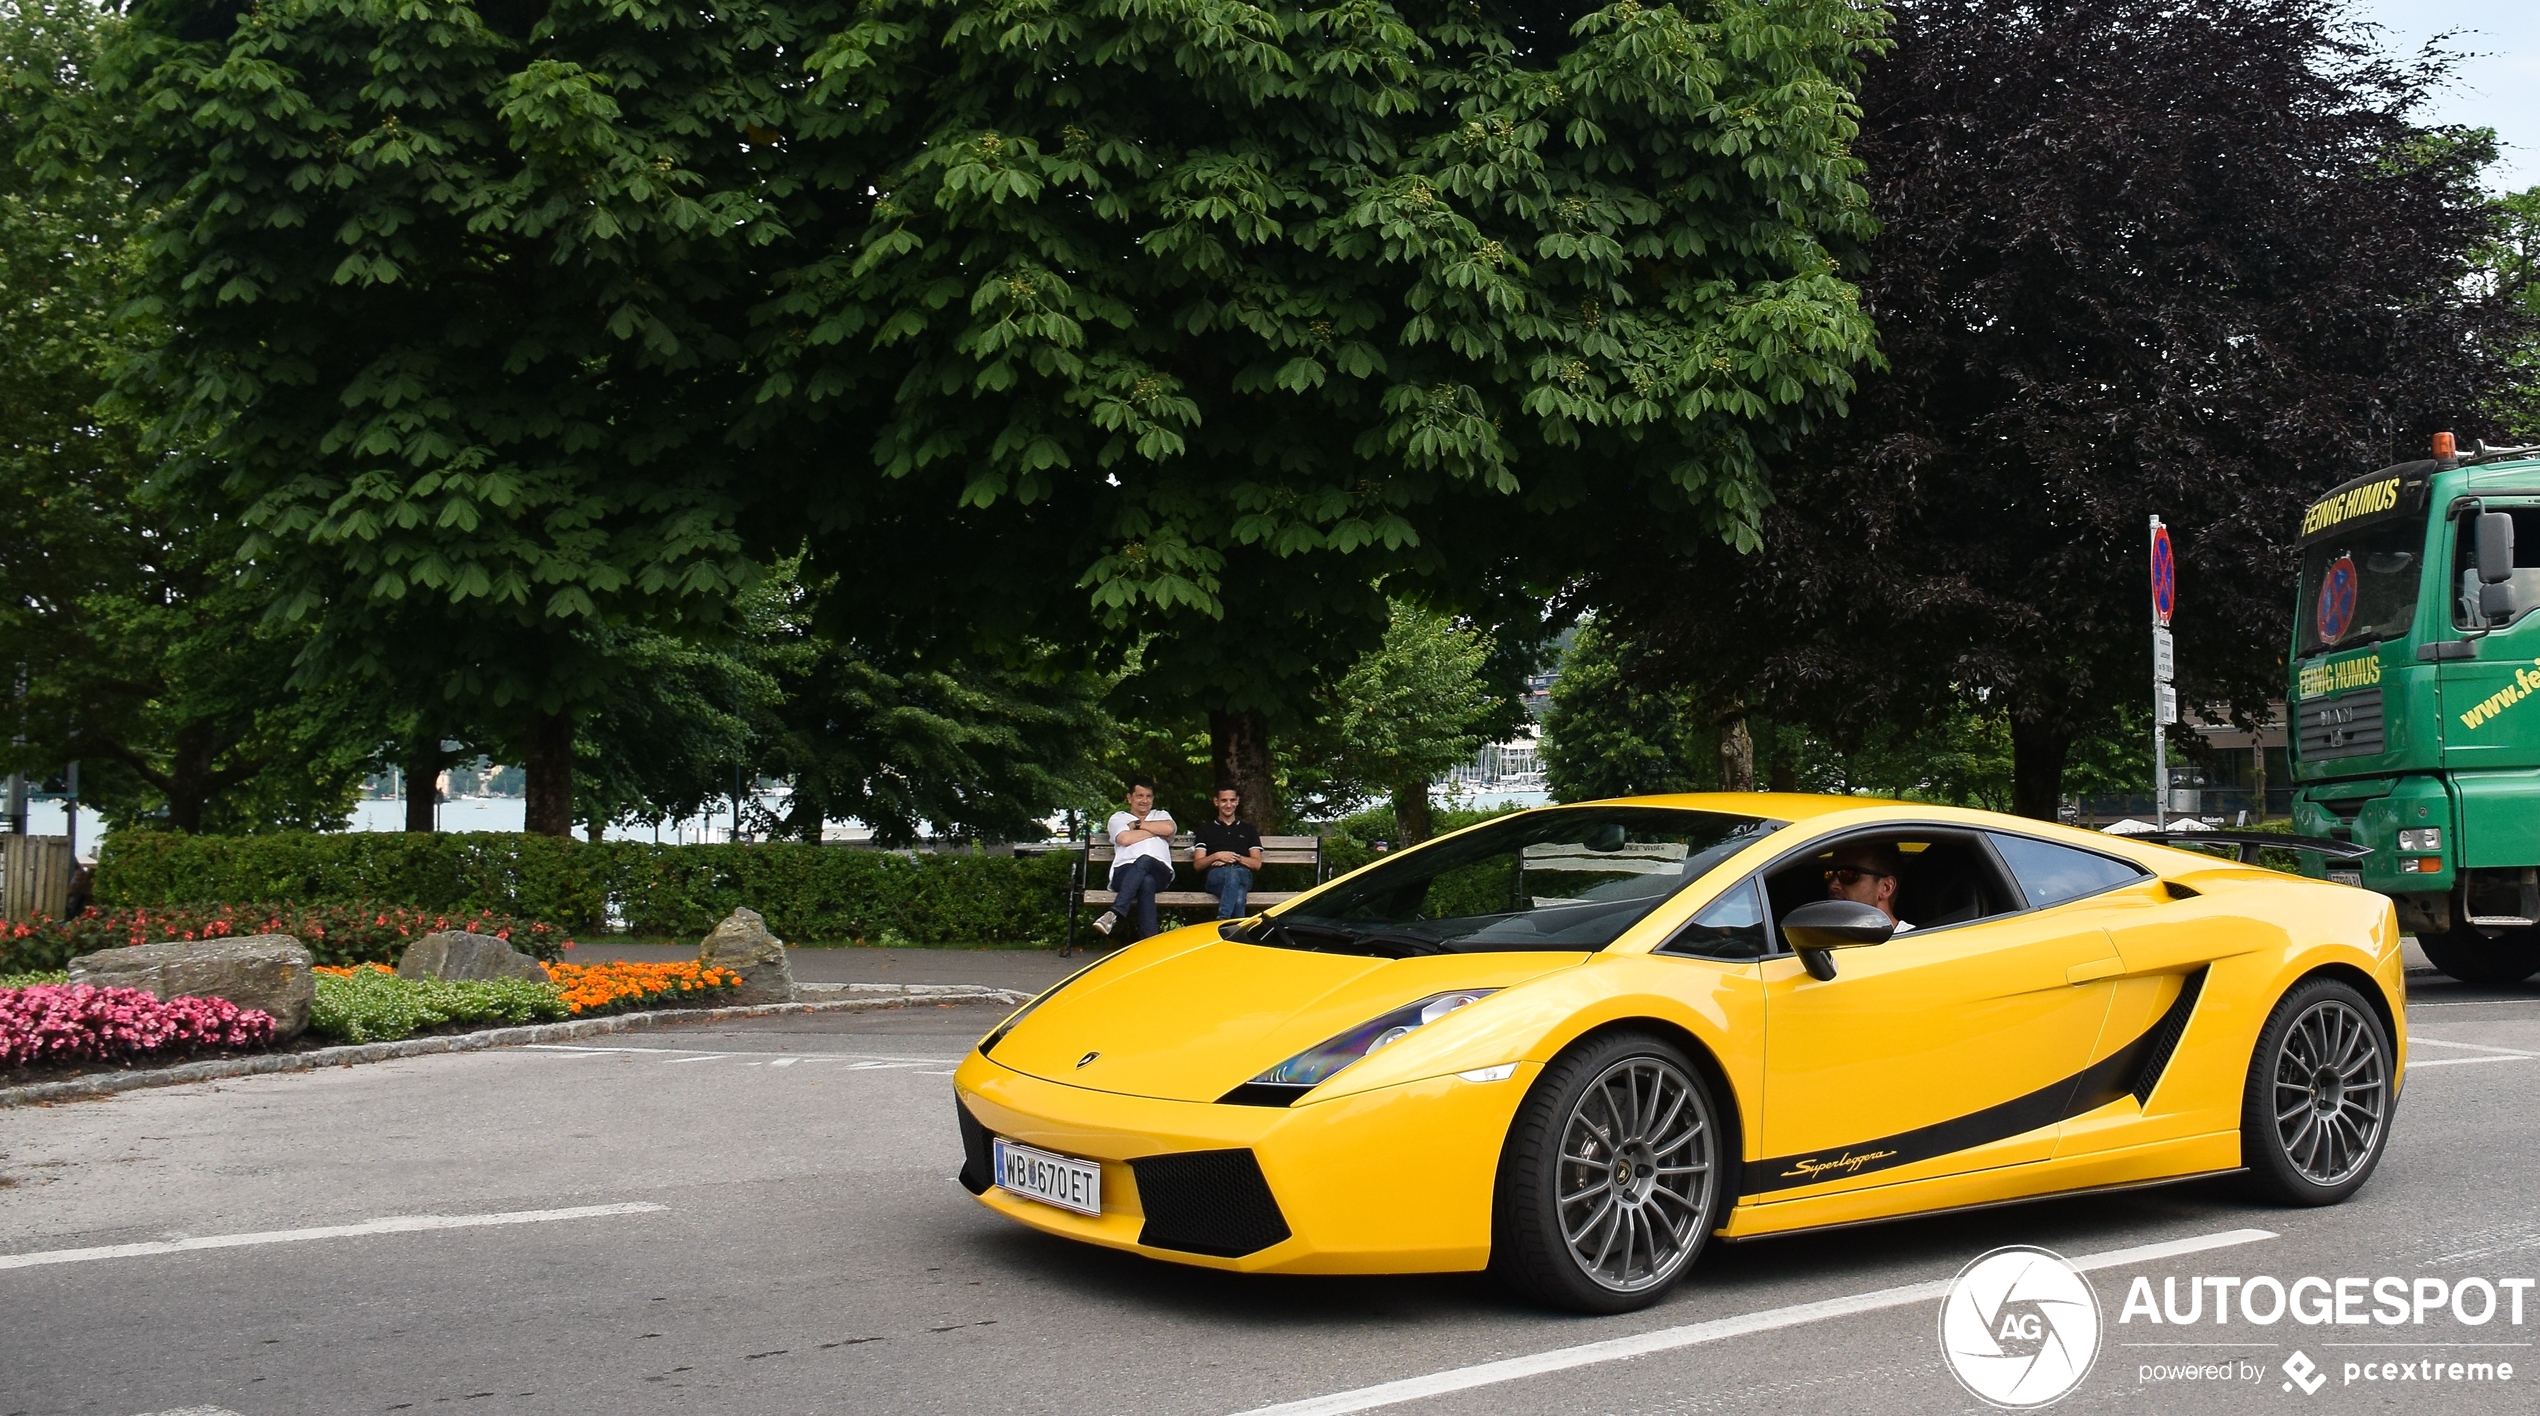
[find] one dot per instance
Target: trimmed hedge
(808, 893)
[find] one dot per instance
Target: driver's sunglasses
(1850, 875)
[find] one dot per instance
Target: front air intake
(1207, 1202)
(978, 1154)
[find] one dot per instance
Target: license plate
(1059, 1180)
(2346, 877)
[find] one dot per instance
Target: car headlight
(2429, 839)
(1315, 1065)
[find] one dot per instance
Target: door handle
(2094, 970)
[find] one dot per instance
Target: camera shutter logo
(2020, 1328)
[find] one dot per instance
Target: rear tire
(2472, 957)
(1612, 1177)
(2315, 1115)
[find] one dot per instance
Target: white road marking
(2465, 1061)
(2419, 1039)
(1620, 1349)
(700, 1054)
(393, 1224)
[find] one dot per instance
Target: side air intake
(2164, 1037)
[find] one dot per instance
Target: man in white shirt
(1142, 862)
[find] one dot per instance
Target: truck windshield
(2361, 587)
(1557, 878)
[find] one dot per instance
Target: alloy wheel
(2332, 1092)
(1635, 1174)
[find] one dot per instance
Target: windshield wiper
(1330, 939)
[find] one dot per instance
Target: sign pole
(2164, 669)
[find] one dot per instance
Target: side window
(2052, 874)
(2465, 564)
(1927, 879)
(1730, 927)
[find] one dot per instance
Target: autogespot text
(2467, 1330)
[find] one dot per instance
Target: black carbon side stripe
(2164, 1037)
(2137, 1064)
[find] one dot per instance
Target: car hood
(1192, 1024)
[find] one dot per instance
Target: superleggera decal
(2130, 1070)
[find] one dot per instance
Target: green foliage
(34, 979)
(821, 894)
(1400, 717)
(335, 933)
(1214, 320)
(2510, 262)
(371, 1006)
(143, 658)
(1610, 734)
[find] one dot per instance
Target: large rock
(457, 954)
(266, 971)
(742, 944)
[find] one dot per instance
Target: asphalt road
(780, 1234)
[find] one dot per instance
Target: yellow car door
(1955, 1046)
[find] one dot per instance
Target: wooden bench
(1275, 850)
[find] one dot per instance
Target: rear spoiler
(2250, 843)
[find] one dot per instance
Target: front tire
(2472, 957)
(2315, 1116)
(1611, 1179)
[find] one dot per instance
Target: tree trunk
(2037, 769)
(189, 779)
(550, 773)
(591, 832)
(2258, 779)
(1737, 749)
(1239, 751)
(422, 767)
(1412, 822)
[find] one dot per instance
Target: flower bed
(333, 934)
(610, 987)
(370, 1003)
(50, 1024)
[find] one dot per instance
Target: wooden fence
(35, 876)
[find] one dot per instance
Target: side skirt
(1727, 1238)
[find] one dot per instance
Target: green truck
(2414, 708)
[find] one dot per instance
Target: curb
(870, 996)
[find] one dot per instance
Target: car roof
(1798, 807)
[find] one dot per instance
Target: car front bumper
(1395, 1180)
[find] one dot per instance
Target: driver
(1866, 872)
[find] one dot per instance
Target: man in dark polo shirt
(1226, 853)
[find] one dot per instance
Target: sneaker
(1104, 921)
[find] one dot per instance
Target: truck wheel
(2472, 957)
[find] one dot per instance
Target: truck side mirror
(2495, 547)
(2497, 600)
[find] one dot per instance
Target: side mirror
(1823, 925)
(2498, 601)
(2495, 547)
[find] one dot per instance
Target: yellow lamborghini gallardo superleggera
(1572, 1044)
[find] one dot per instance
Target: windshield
(1556, 878)
(2361, 587)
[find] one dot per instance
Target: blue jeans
(1230, 884)
(1134, 886)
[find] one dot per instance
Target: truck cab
(2415, 699)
